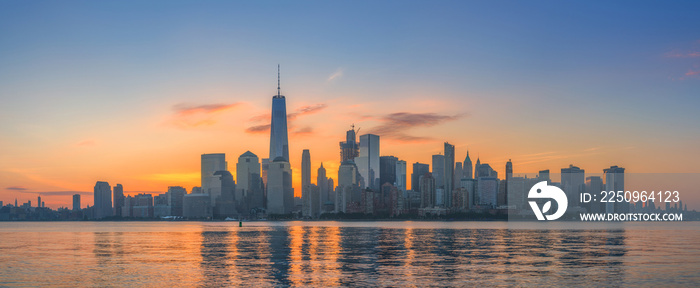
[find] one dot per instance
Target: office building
(306, 183)
(387, 170)
(279, 142)
(118, 198)
(419, 169)
(448, 173)
(349, 149)
(211, 163)
(280, 195)
(76, 202)
(467, 168)
(573, 180)
(102, 205)
(368, 161)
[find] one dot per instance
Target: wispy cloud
(396, 125)
(185, 109)
(189, 116)
(336, 75)
(16, 188)
(689, 57)
(306, 130)
(257, 129)
(301, 111)
(305, 110)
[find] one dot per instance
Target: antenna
(278, 80)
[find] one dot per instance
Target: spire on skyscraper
(278, 81)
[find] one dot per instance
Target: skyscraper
(387, 170)
(427, 190)
(349, 149)
(419, 169)
(448, 176)
(211, 163)
(279, 143)
(103, 200)
(401, 176)
(368, 161)
(322, 183)
(439, 170)
(615, 181)
(249, 189)
(467, 168)
(306, 182)
(118, 202)
(509, 175)
(76, 202)
(573, 180)
(280, 196)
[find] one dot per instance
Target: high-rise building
(573, 180)
(196, 205)
(76, 202)
(38, 202)
(594, 185)
(102, 206)
(348, 189)
(419, 169)
(175, 197)
(249, 187)
(448, 176)
(322, 183)
(305, 183)
(118, 202)
(279, 143)
(280, 195)
(349, 149)
(459, 173)
(368, 161)
(401, 176)
(615, 181)
(387, 170)
(468, 170)
(439, 170)
(509, 175)
(427, 190)
(211, 163)
(225, 202)
(543, 175)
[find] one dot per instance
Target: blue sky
(620, 77)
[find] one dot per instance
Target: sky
(133, 92)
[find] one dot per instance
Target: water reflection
(344, 255)
(372, 256)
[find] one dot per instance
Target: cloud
(336, 75)
(16, 188)
(692, 73)
(184, 109)
(303, 131)
(395, 126)
(258, 129)
(189, 116)
(305, 110)
(58, 193)
(691, 54)
(301, 111)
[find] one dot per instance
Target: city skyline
(108, 111)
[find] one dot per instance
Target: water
(168, 254)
